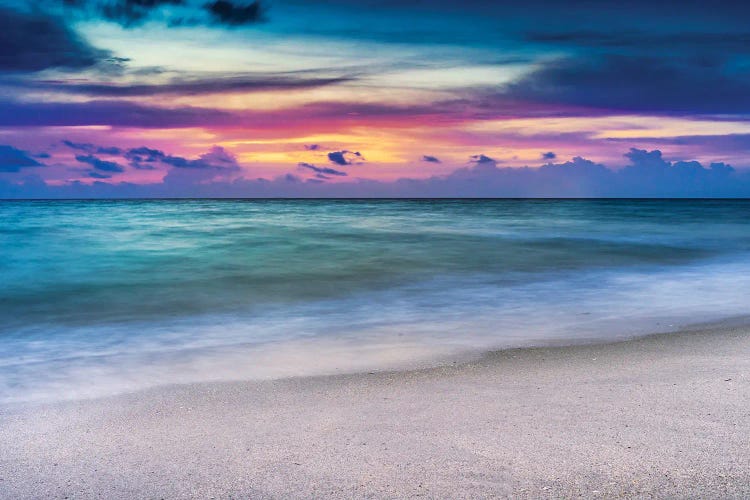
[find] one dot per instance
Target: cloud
(639, 83)
(35, 41)
(647, 174)
(144, 158)
(216, 158)
(98, 175)
(502, 24)
(191, 86)
(482, 160)
(13, 159)
(128, 13)
(345, 157)
(321, 170)
(90, 148)
(112, 113)
(312, 147)
(718, 144)
(99, 164)
(230, 14)
(644, 41)
(183, 174)
(123, 113)
(549, 155)
(430, 159)
(131, 12)
(130, 114)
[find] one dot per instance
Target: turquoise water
(99, 297)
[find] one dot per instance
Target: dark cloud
(482, 160)
(312, 147)
(503, 24)
(109, 150)
(113, 113)
(215, 161)
(720, 144)
(430, 159)
(342, 109)
(99, 164)
(191, 86)
(645, 83)
(644, 41)
(128, 13)
(231, 14)
(80, 146)
(34, 41)
(98, 175)
(322, 170)
(122, 113)
(345, 157)
(131, 12)
(91, 148)
(13, 159)
(142, 157)
(549, 155)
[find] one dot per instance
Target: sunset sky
(374, 98)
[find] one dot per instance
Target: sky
(365, 98)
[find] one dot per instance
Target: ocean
(105, 297)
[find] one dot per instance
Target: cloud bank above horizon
(646, 175)
(364, 98)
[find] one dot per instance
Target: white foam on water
(423, 323)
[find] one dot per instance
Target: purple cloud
(92, 149)
(345, 157)
(144, 158)
(112, 113)
(321, 170)
(98, 175)
(647, 174)
(482, 160)
(99, 164)
(13, 159)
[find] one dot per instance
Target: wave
(420, 322)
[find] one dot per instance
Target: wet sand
(660, 416)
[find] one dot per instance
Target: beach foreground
(665, 415)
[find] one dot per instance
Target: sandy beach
(659, 416)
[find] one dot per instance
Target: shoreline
(664, 414)
(392, 355)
